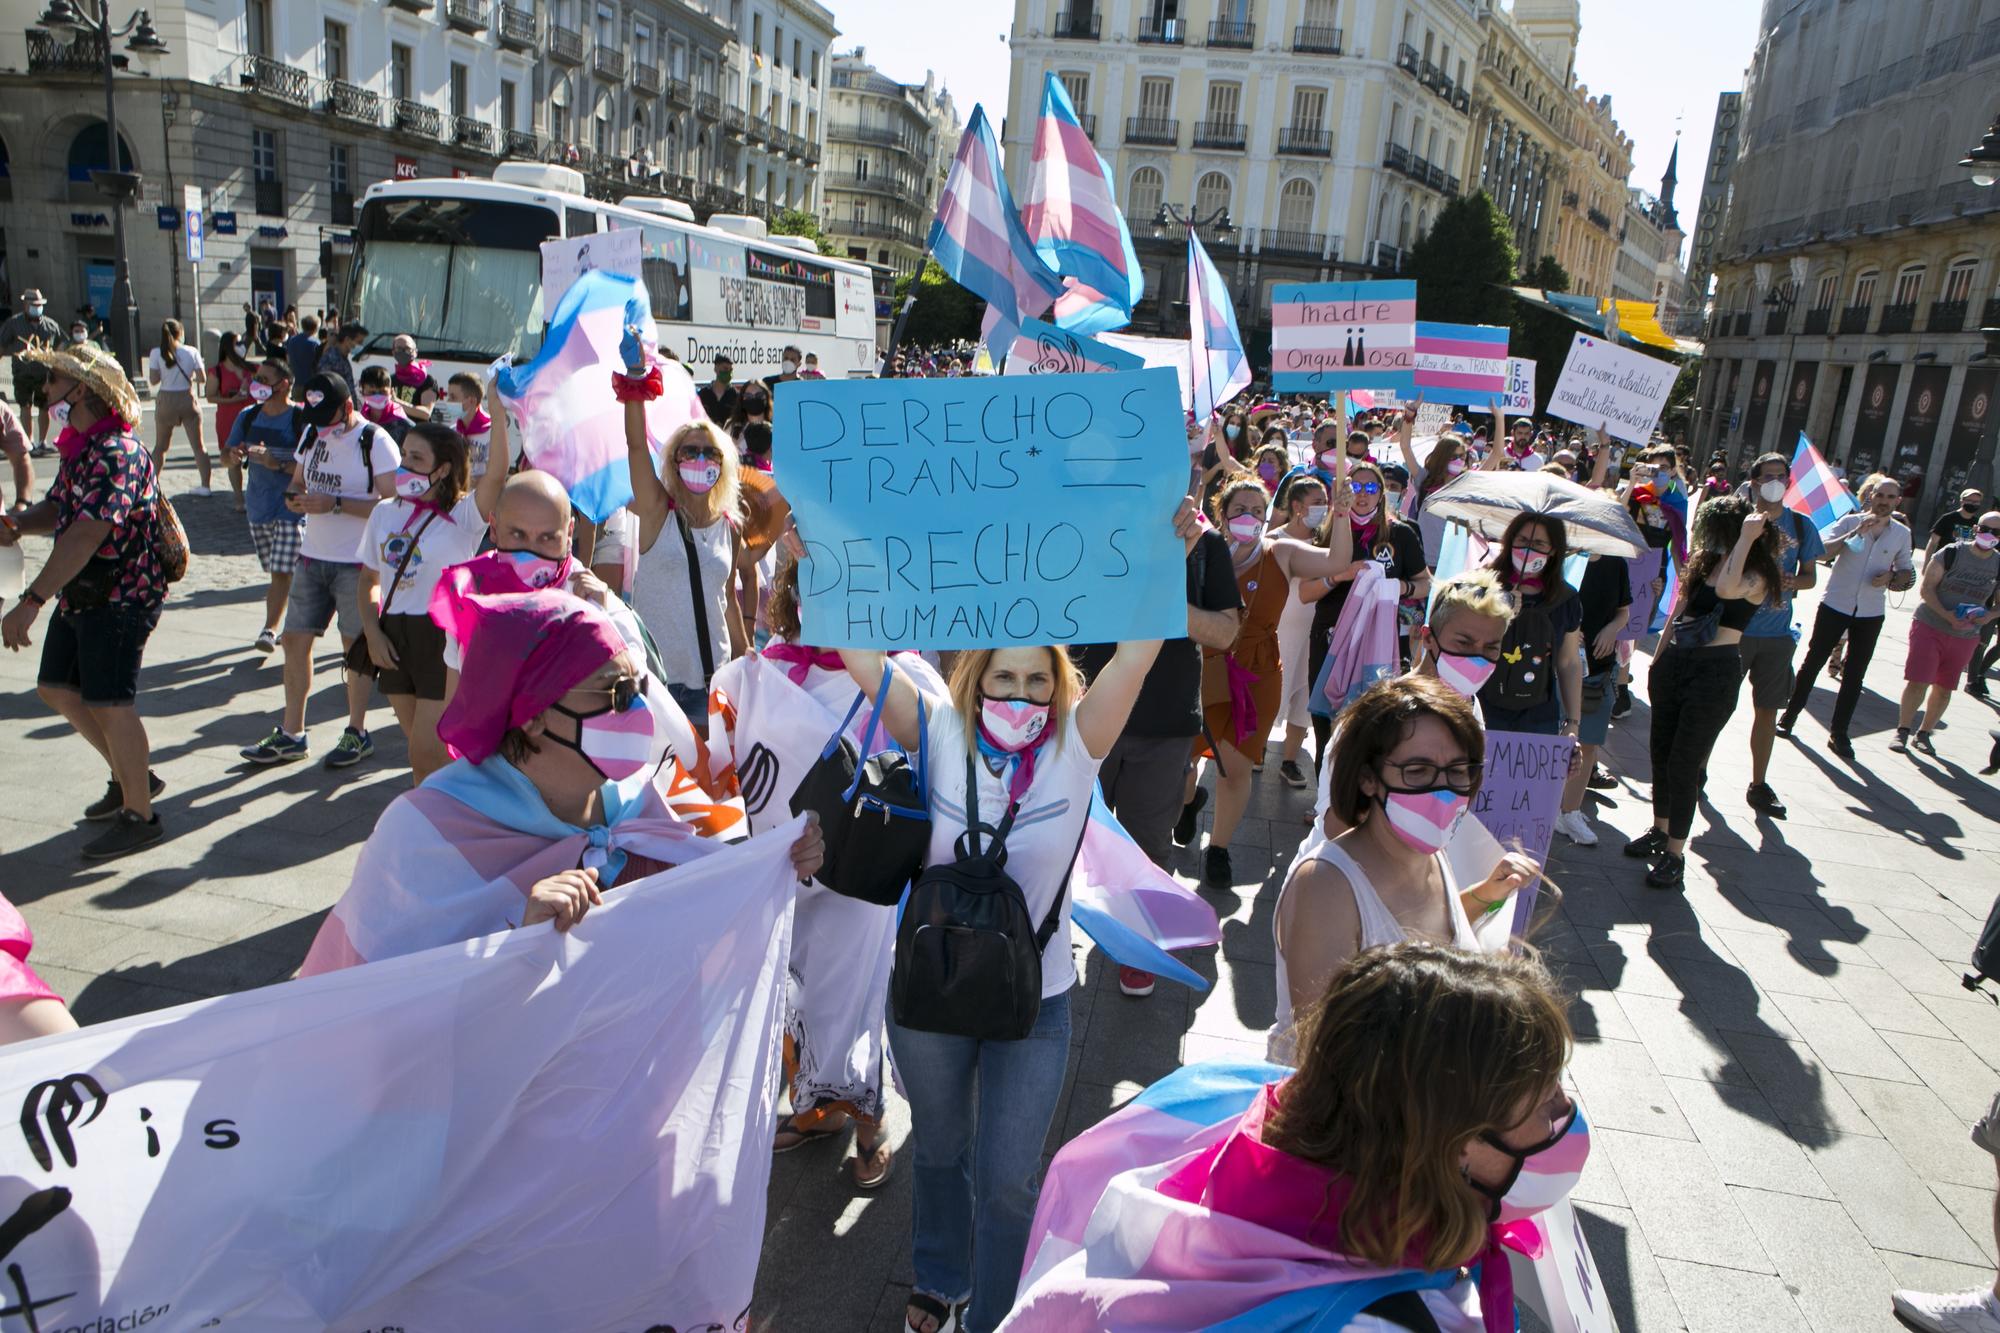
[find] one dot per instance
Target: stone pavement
(1780, 1064)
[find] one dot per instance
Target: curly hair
(1717, 525)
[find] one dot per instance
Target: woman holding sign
(1018, 729)
(1538, 688)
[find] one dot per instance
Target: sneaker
(1785, 725)
(1921, 742)
(1575, 825)
(113, 799)
(1647, 845)
(1762, 797)
(1667, 872)
(200, 492)
(1901, 745)
(1293, 775)
(1622, 703)
(127, 834)
(1834, 667)
(1992, 760)
(42, 451)
(267, 642)
(1975, 1311)
(280, 747)
(354, 746)
(1841, 746)
(1184, 826)
(1601, 779)
(1133, 982)
(1216, 872)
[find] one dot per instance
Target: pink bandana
(414, 375)
(526, 650)
(799, 660)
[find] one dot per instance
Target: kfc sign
(406, 168)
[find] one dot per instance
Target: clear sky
(1663, 68)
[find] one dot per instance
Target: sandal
(945, 1319)
(801, 1137)
(880, 1153)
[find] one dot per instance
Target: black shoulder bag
(699, 599)
(873, 816)
(358, 659)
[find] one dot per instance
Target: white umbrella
(1595, 522)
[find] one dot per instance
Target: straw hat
(96, 370)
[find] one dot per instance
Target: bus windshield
(462, 276)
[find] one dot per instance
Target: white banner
(565, 258)
(526, 1131)
(1604, 384)
(1519, 400)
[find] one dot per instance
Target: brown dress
(1264, 589)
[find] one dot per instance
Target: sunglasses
(690, 454)
(1365, 487)
(624, 692)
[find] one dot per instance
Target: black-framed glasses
(1424, 775)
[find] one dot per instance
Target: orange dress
(1242, 716)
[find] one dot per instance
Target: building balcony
(680, 92)
(1742, 329)
(474, 134)
(645, 79)
(518, 28)
(1991, 318)
(414, 118)
(1077, 27)
(809, 151)
(466, 15)
(414, 6)
(1396, 158)
(759, 130)
(522, 144)
(1947, 317)
(733, 120)
(1088, 119)
(1232, 33)
(1305, 141)
(678, 186)
(1819, 321)
(1461, 100)
(1152, 130)
(1451, 187)
(1898, 318)
(1316, 39)
(350, 101)
(1775, 321)
(287, 83)
(607, 63)
(1598, 219)
(880, 231)
(708, 106)
(1388, 257)
(268, 197)
(1226, 134)
(1408, 60)
(82, 54)
(1854, 319)
(882, 185)
(565, 44)
(1162, 31)
(1300, 244)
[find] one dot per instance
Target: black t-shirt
(718, 402)
(1398, 551)
(1169, 703)
(1953, 525)
(1606, 596)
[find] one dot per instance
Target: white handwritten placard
(1604, 384)
(1519, 400)
(565, 259)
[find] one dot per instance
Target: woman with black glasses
(1405, 770)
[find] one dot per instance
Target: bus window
(579, 222)
(815, 281)
(665, 267)
(462, 276)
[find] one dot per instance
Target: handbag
(968, 956)
(874, 819)
(357, 659)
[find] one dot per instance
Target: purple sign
(1520, 799)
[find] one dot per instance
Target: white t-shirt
(177, 375)
(1042, 845)
(661, 595)
(332, 466)
(444, 541)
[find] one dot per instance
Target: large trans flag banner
(1070, 213)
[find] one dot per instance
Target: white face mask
(1315, 515)
(791, 366)
(1771, 491)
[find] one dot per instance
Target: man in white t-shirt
(345, 465)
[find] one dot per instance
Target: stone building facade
(889, 148)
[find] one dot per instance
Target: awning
(1635, 323)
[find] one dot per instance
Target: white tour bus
(456, 263)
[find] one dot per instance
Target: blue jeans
(979, 1115)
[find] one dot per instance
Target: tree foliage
(798, 222)
(1547, 274)
(1465, 264)
(945, 312)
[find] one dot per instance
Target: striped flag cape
(571, 426)
(1221, 369)
(1071, 215)
(1814, 489)
(1132, 909)
(978, 240)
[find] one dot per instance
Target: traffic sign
(194, 235)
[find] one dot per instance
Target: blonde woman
(175, 371)
(980, 1109)
(691, 550)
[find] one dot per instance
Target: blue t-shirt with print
(264, 488)
(1802, 547)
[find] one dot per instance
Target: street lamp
(115, 183)
(1983, 162)
(1169, 219)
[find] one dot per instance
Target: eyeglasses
(690, 453)
(1365, 487)
(624, 692)
(1422, 774)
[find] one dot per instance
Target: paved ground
(1779, 1064)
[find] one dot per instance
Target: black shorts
(29, 391)
(419, 668)
(97, 652)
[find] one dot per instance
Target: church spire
(1667, 218)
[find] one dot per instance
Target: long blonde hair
(969, 668)
(725, 499)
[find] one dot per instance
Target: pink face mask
(1463, 673)
(260, 392)
(1424, 820)
(1013, 724)
(1246, 528)
(538, 571)
(1529, 564)
(699, 475)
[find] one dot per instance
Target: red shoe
(1135, 983)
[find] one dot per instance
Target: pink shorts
(1937, 658)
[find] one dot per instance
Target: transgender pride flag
(1815, 489)
(571, 426)
(978, 240)
(1072, 218)
(1221, 369)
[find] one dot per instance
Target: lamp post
(115, 183)
(1983, 160)
(1169, 220)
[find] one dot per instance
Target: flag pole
(903, 315)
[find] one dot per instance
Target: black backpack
(968, 958)
(1985, 954)
(873, 817)
(1527, 668)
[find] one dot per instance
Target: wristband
(33, 598)
(638, 388)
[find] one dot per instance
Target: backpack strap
(1054, 918)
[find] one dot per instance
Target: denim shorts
(1595, 724)
(97, 652)
(323, 591)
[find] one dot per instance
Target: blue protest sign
(986, 511)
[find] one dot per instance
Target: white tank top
(1378, 927)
